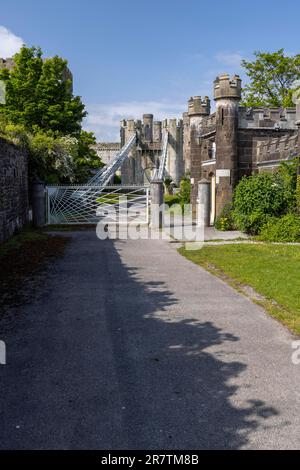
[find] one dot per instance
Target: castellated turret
(198, 111)
(128, 127)
(226, 87)
(199, 107)
(175, 148)
(148, 127)
(227, 94)
(149, 145)
(157, 131)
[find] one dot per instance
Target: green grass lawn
(114, 198)
(272, 270)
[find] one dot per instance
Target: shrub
(185, 191)
(170, 200)
(256, 198)
(283, 229)
(225, 220)
(288, 172)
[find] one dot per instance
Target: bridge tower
(148, 127)
(128, 170)
(175, 148)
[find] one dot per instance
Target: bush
(288, 172)
(170, 200)
(258, 197)
(225, 221)
(283, 229)
(185, 191)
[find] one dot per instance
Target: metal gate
(90, 204)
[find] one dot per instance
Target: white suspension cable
(159, 174)
(103, 177)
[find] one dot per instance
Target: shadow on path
(103, 360)
(176, 389)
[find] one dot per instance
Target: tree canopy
(272, 79)
(41, 112)
(38, 94)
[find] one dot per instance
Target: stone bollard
(38, 204)
(204, 188)
(157, 200)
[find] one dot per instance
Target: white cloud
(233, 59)
(104, 119)
(9, 43)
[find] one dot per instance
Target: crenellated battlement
(277, 149)
(198, 106)
(149, 130)
(226, 87)
(278, 118)
(171, 124)
(150, 135)
(208, 125)
(232, 142)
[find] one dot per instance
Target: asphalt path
(127, 345)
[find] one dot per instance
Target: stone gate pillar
(38, 204)
(157, 200)
(204, 198)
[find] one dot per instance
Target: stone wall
(235, 140)
(254, 147)
(145, 157)
(280, 118)
(270, 153)
(107, 151)
(13, 189)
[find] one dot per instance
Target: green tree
(272, 77)
(39, 96)
(185, 192)
(42, 114)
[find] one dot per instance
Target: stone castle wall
(13, 189)
(235, 141)
(222, 146)
(106, 151)
(139, 168)
(269, 153)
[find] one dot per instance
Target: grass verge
(267, 273)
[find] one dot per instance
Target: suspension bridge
(99, 198)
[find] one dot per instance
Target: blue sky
(130, 57)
